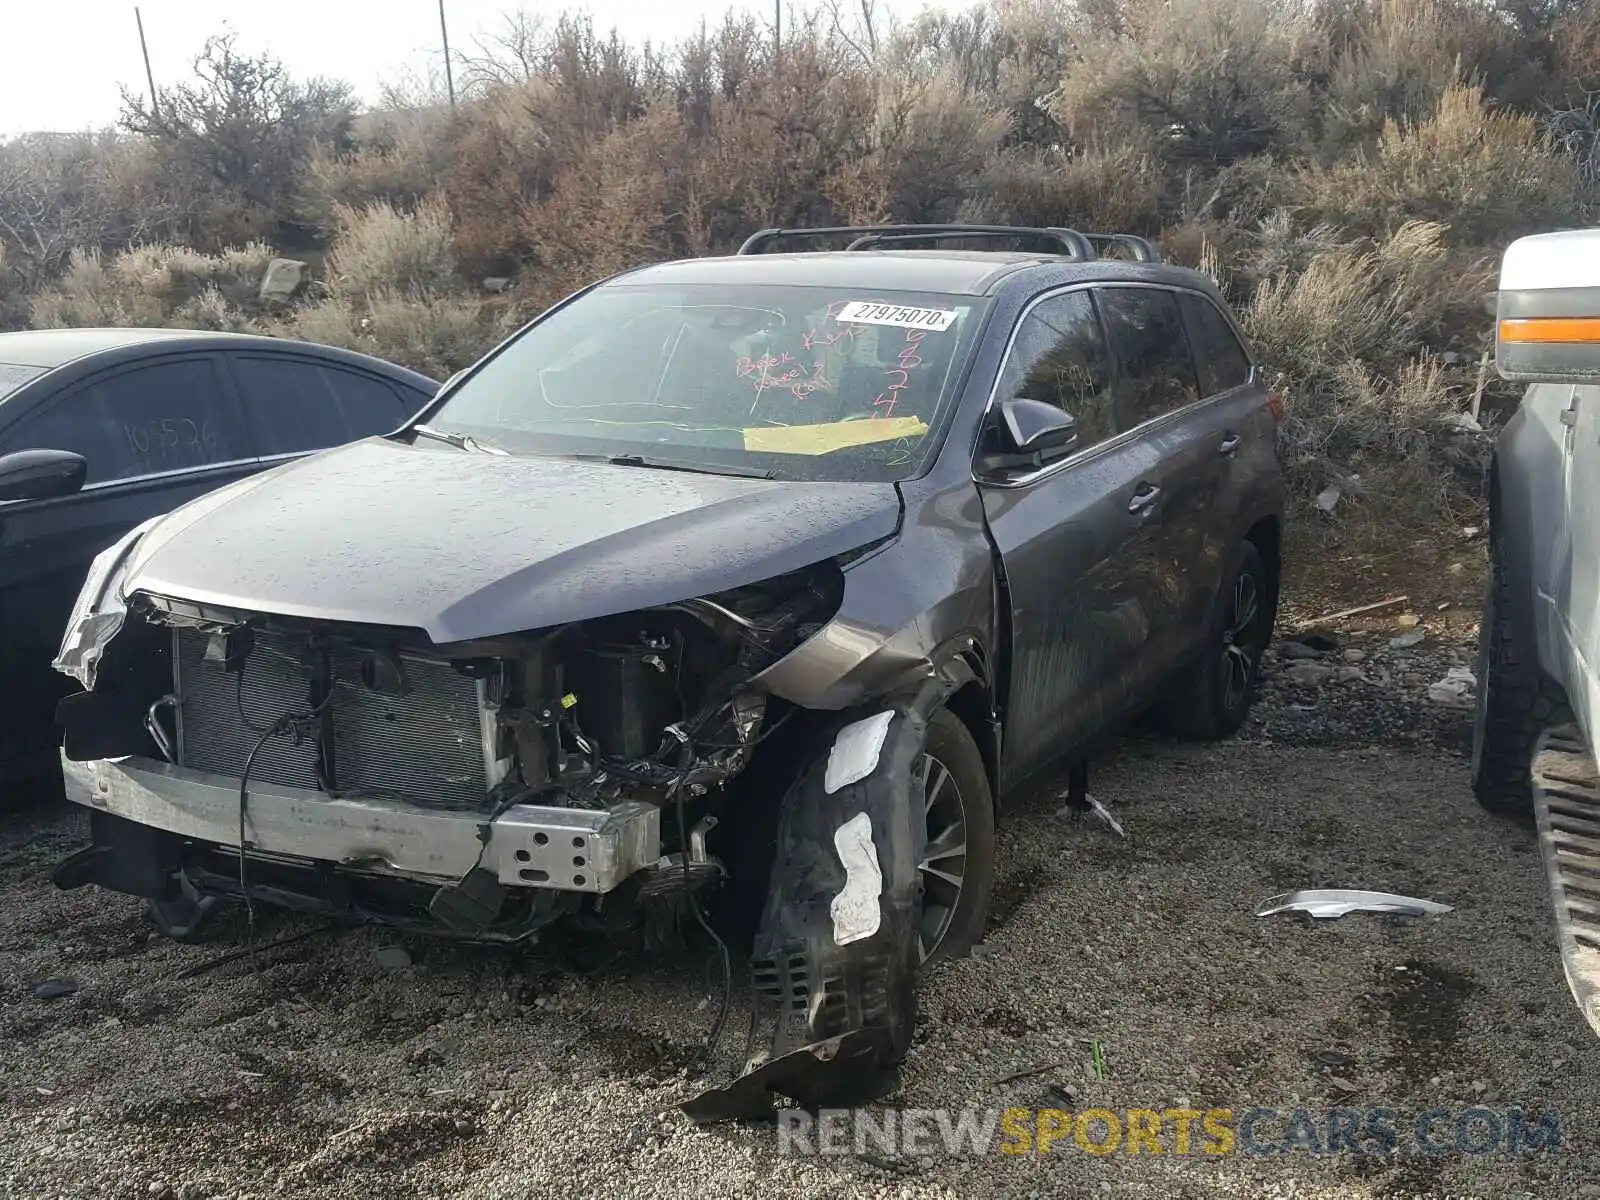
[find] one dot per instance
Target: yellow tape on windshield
(835, 435)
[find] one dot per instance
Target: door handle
(1229, 444)
(1144, 498)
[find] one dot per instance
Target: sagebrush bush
(398, 160)
(1118, 187)
(155, 285)
(437, 335)
(383, 248)
(1349, 337)
(1491, 175)
(1405, 55)
(1206, 80)
(926, 149)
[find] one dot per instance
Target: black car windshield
(802, 383)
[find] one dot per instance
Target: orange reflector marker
(1550, 329)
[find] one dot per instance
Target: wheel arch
(1510, 552)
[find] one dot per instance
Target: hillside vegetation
(1349, 170)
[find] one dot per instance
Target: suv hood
(465, 545)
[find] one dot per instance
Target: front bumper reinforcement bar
(529, 846)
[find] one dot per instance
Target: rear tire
(1212, 698)
(1516, 703)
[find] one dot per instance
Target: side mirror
(1034, 427)
(1547, 327)
(1025, 435)
(41, 474)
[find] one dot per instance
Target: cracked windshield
(800, 383)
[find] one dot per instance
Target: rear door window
(1156, 372)
(296, 405)
(1218, 353)
(1060, 357)
(14, 375)
(143, 420)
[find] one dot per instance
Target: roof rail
(1140, 248)
(1070, 242)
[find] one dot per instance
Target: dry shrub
(1011, 52)
(13, 299)
(1352, 336)
(1490, 175)
(1347, 170)
(1401, 58)
(382, 248)
(612, 210)
(154, 285)
(1116, 188)
(436, 335)
(1574, 57)
(508, 149)
(235, 136)
(767, 154)
(1207, 80)
(399, 160)
(927, 146)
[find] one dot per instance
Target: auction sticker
(862, 312)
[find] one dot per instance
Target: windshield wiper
(666, 464)
(461, 441)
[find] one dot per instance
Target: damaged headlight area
(101, 607)
(483, 788)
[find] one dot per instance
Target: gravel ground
(313, 1071)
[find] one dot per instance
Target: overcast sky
(61, 60)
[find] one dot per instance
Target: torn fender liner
(856, 910)
(811, 986)
(749, 1097)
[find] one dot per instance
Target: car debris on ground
(1326, 903)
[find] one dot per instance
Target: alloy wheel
(1240, 641)
(941, 871)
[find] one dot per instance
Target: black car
(768, 575)
(102, 429)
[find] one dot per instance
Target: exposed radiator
(425, 746)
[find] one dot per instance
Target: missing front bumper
(529, 846)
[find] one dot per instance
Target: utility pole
(777, 36)
(449, 74)
(149, 75)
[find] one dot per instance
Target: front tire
(1516, 703)
(957, 861)
(931, 816)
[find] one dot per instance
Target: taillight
(1275, 407)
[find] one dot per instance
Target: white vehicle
(1536, 734)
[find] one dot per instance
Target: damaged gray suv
(776, 571)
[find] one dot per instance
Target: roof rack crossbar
(1140, 248)
(1070, 240)
(874, 240)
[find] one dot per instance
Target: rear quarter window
(295, 405)
(14, 375)
(1220, 356)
